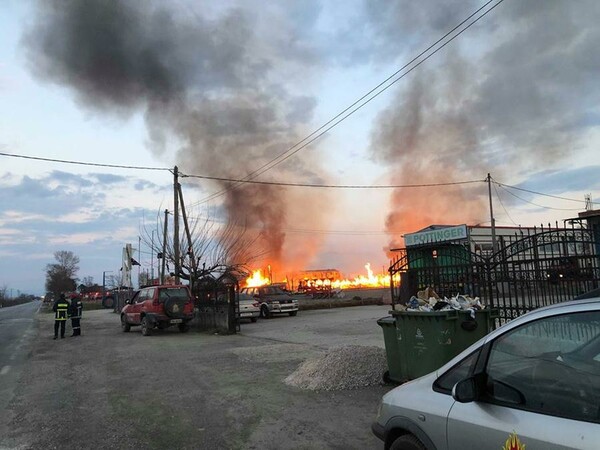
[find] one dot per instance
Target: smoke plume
(225, 84)
(208, 84)
(510, 96)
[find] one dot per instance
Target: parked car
(249, 308)
(532, 383)
(158, 307)
(273, 300)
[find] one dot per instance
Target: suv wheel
(293, 313)
(146, 328)
(124, 325)
(264, 312)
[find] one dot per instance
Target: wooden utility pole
(164, 248)
(190, 251)
(492, 220)
(176, 254)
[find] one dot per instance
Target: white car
(249, 307)
(534, 383)
(272, 300)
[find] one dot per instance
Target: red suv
(158, 307)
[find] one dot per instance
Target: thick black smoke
(208, 83)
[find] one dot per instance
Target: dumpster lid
(388, 319)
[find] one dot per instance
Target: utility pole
(190, 251)
(152, 258)
(140, 259)
(176, 223)
(492, 220)
(164, 248)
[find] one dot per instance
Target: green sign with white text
(432, 236)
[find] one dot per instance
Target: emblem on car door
(175, 308)
(513, 443)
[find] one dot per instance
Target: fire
(332, 280)
(257, 279)
(371, 280)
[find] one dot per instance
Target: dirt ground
(109, 389)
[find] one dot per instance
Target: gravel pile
(348, 367)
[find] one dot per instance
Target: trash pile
(428, 300)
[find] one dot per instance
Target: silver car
(249, 307)
(533, 383)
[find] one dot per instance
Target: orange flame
(257, 279)
(371, 280)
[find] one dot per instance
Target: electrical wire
(535, 204)
(343, 115)
(83, 163)
(232, 180)
(504, 186)
(333, 186)
(502, 204)
(538, 193)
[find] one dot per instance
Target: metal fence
(535, 267)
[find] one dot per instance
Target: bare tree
(212, 248)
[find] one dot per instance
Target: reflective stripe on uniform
(61, 311)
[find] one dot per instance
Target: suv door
(542, 390)
(135, 307)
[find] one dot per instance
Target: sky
(224, 90)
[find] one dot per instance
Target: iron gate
(533, 268)
(217, 303)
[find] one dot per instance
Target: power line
(343, 115)
(331, 186)
(537, 193)
(502, 204)
(535, 204)
(83, 163)
(327, 186)
(233, 180)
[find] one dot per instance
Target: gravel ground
(350, 367)
(111, 390)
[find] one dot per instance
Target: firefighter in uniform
(60, 308)
(75, 311)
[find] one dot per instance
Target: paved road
(16, 332)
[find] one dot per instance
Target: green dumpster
(395, 359)
(428, 340)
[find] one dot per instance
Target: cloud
(46, 196)
(582, 179)
(40, 216)
(108, 178)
